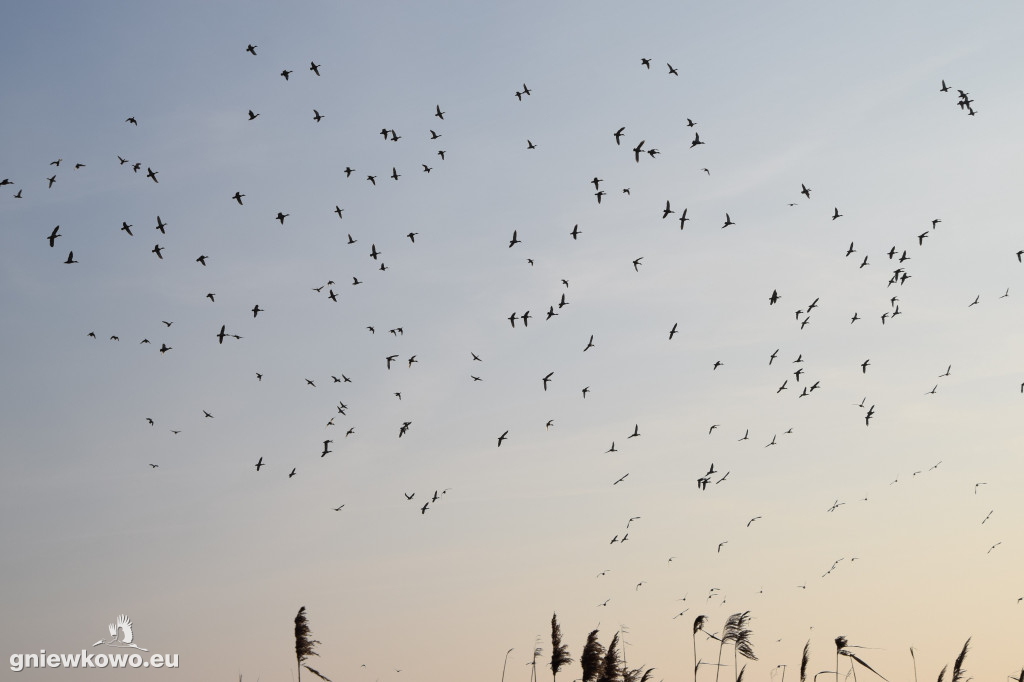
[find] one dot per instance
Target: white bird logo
(125, 624)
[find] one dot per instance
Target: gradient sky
(212, 559)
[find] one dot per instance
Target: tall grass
(738, 634)
(559, 652)
(305, 644)
(590, 659)
(958, 665)
(698, 626)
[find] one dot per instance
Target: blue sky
(212, 559)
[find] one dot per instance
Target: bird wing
(125, 624)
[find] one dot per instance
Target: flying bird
(637, 149)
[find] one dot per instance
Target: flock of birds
(897, 276)
(792, 373)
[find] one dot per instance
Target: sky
(900, 531)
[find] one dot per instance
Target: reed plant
(559, 651)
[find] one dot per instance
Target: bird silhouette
(637, 149)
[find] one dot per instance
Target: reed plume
(804, 660)
(559, 652)
(958, 664)
(590, 659)
(841, 650)
(637, 674)
(698, 625)
(611, 665)
(305, 644)
(738, 634)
